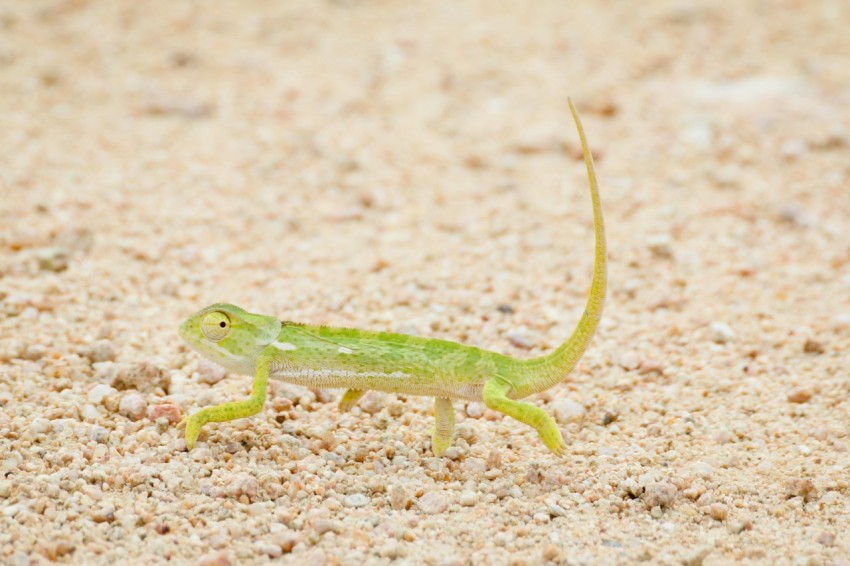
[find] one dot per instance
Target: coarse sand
(412, 166)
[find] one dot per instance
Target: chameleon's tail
(544, 372)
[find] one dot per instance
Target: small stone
(214, 559)
(100, 351)
(143, 376)
(826, 538)
(99, 392)
(609, 417)
(661, 246)
(813, 347)
(474, 410)
(800, 395)
(286, 540)
(468, 498)
(722, 333)
(242, 484)
(372, 403)
(355, 500)
(541, 518)
(34, 352)
(52, 259)
(651, 366)
(703, 470)
(399, 499)
(269, 549)
(5, 488)
(804, 488)
(696, 557)
(210, 373)
(432, 503)
(521, 338)
(133, 406)
(551, 553)
(659, 494)
(323, 526)
(104, 514)
(567, 411)
(718, 511)
(494, 460)
(792, 149)
(168, 410)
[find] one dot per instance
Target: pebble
(399, 499)
(269, 549)
(143, 376)
(286, 540)
(551, 553)
(800, 395)
(703, 470)
(474, 410)
(659, 494)
(322, 526)
(133, 406)
(722, 333)
(52, 259)
(567, 411)
(214, 559)
(210, 373)
(661, 245)
(801, 487)
(355, 500)
(468, 498)
(99, 392)
(813, 347)
(826, 538)
(167, 410)
(432, 503)
(100, 351)
(718, 511)
(5, 488)
(371, 403)
(521, 338)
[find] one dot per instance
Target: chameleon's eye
(215, 326)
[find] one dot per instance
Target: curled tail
(541, 373)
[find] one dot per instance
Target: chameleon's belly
(390, 382)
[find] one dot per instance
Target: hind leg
(495, 397)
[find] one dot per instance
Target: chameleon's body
(360, 360)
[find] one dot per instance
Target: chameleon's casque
(361, 360)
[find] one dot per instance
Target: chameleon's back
(384, 361)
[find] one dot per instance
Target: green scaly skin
(362, 360)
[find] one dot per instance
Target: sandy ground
(394, 166)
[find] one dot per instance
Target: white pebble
(703, 470)
(567, 411)
(722, 333)
(355, 500)
(133, 406)
(468, 498)
(99, 392)
(432, 503)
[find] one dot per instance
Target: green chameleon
(362, 360)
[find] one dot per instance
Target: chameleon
(363, 360)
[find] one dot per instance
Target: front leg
(230, 411)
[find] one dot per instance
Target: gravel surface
(412, 167)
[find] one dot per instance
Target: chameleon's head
(229, 335)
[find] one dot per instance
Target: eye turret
(215, 326)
